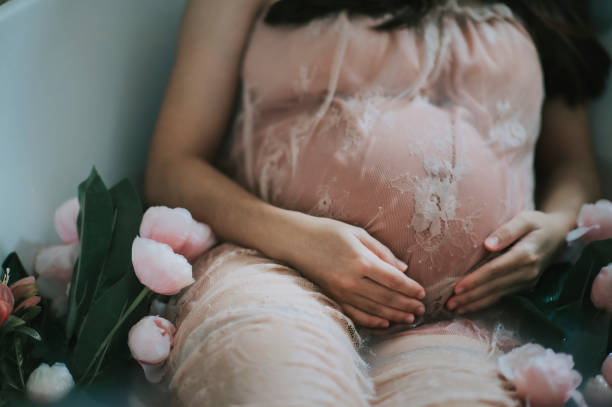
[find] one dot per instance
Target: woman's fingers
(491, 299)
(390, 277)
(363, 318)
(518, 257)
(383, 295)
(510, 232)
(380, 310)
(382, 251)
(516, 278)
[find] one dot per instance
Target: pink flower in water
(66, 220)
(150, 342)
(606, 369)
(594, 222)
(597, 392)
(159, 268)
(177, 228)
(542, 377)
(601, 292)
(54, 266)
(7, 301)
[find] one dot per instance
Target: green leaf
(28, 314)
(128, 215)
(13, 263)
(102, 317)
(577, 287)
(535, 324)
(26, 330)
(95, 224)
(11, 323)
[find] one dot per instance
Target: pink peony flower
(54, 266)
(542, 377)
(597, 392)
(601, 292)
(606, 369)
(159, 268)
(594, 222)
(66, 220)
(49, 384)
(177, 228)
(7, 301)
(150, 342)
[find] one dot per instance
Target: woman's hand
(534, 237)
(355, 269)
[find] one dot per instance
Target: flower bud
(542, 377)
(150, 341)
(177, 228)
(601, 291)
(159, 268)
(65, 220)
(594, 222)
(49, 384)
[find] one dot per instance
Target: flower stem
(109, 337)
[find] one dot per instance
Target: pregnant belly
(418, 178)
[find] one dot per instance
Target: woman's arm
(567, 178)
(361, 274)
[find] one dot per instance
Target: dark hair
(575, 64)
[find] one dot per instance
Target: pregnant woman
(368, 164)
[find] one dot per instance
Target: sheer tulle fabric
(425, 138)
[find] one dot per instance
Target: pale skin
(360, 273)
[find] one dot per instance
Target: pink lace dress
(424, 137)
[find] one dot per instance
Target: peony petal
(542, 377)
(606, 369)
(66, 220)
(150, 340)
(159, 268)
(165, 225)
(177, 228)
(49, 384)
(54, 266)
(57, 262)
(597, 392)
(579, 232)
(601, 291)
(200, 240)
(599, 217)
(153, 373)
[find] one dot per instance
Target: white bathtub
(80, 85)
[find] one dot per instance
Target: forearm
(567, 175)
(233, 213)
(567, 188)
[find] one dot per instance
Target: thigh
(251, 331)
(438, 366)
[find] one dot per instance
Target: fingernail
(421, 295)
(383, 324)
(459, 289)
(492, 242)
(403, 265)
(452, 305)
(461, 311)
(420, 310)
(409, 319)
